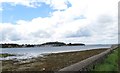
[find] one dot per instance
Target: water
(25, 53)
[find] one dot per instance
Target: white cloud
(92, 18)
(59, 4)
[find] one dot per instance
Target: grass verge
(110, 63)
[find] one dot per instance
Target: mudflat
(49, 62)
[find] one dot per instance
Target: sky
(69, 21)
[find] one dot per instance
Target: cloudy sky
(38, 21)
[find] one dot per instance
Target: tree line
(12, 45)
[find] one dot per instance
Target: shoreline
(50, 62)
(38, 51)
(6, 56)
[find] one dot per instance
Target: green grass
(110, 63)
(6, 55)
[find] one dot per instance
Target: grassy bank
(51, 62)
(110, 63)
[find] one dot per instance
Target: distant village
(53, 44)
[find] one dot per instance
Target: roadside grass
(110, 63)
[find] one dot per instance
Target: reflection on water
(25, 53)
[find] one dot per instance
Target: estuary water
(26, 53)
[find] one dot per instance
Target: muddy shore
(50, 62)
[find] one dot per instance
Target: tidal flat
(49, 62)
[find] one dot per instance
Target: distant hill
(76, 44)
(53, 44)
(10, 45)
(39, 45)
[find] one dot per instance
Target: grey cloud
(40, 34)
(15, 37)
(105, 19)
(9, 33)
(84, 32)
(4, 34)
(80, 17)
(1, 36)
(101, 25)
